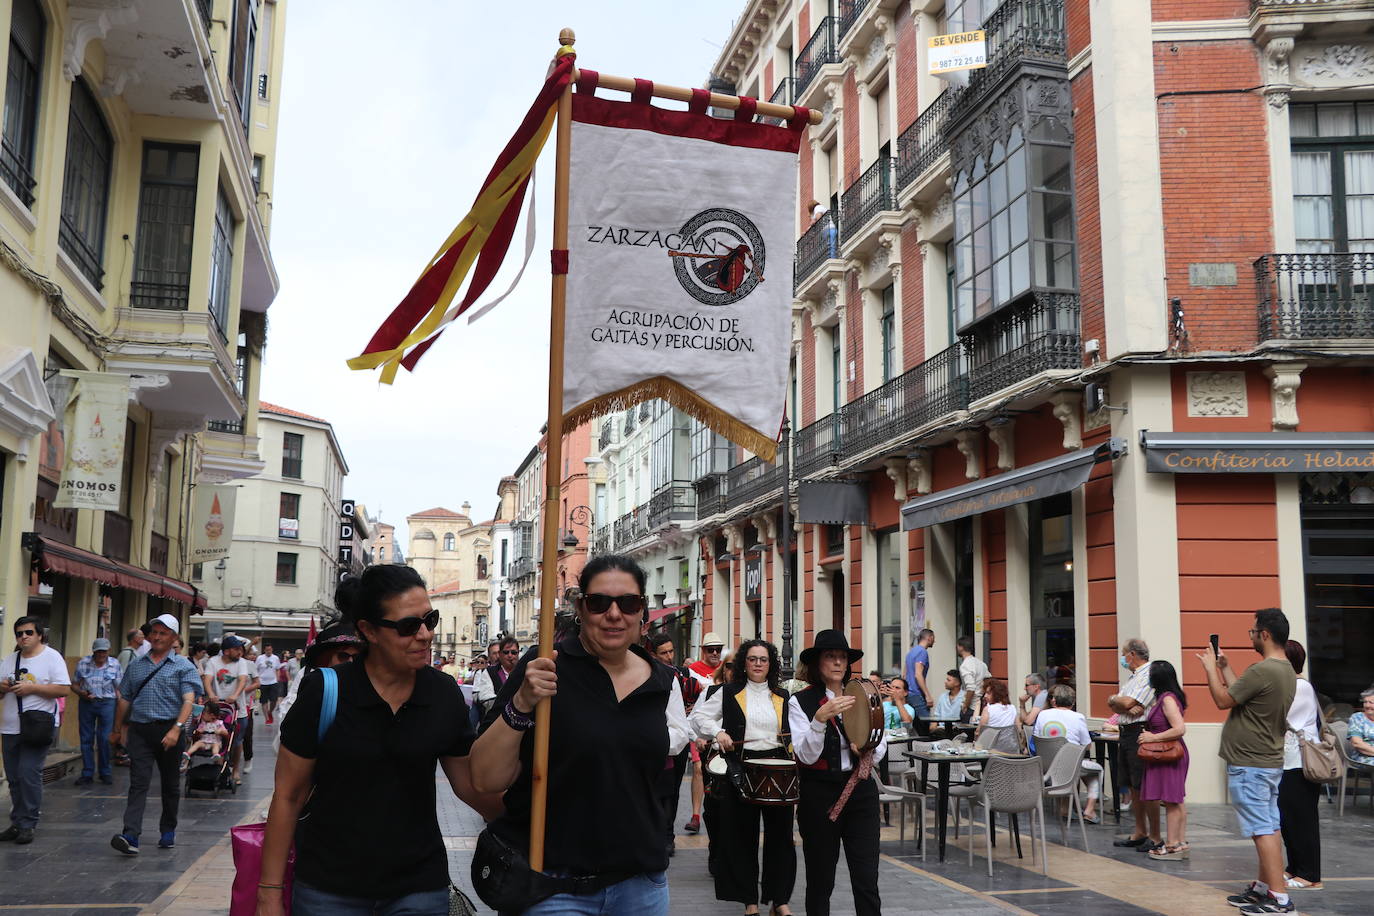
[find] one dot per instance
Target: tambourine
(863, 724)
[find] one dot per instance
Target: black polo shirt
(605, 759)
(371, 828)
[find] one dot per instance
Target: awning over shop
(65, 560)
(1258, 453)
(1023, 485)
(832, 502)
(659, 613)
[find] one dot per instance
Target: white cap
(168, 621)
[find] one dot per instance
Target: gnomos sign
(960, 51)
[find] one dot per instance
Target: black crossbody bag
(503, 878)
(36, 726)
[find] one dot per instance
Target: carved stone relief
(1002, 433)
(966, 441)
(1340, 63)
(1285, 379)
(1217, 394)
(1068, 410)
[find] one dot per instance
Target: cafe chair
(1047, 748)
(1012, 786)
(902, 798)
(1062, 783)
(1342, 733)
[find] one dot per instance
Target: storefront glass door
(1338, 563)
(1053, 641)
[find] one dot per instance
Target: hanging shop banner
(753, 578)
(96, 415)
(679, 265)
(212, 523)
(832, 502)
(960, 51)
(1258, 453)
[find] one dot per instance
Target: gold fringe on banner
(685, 400)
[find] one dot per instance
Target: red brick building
(1170, 204)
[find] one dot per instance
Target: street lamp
(578, 515)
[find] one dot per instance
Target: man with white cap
(96, 683)
(155, 699)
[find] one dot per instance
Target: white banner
(212, 523)
(959, 51)
(96, 415)
(681, 243)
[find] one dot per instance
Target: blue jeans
(642, 895)
(24, 773)
(311, 901)
(97, 718)
(1255, 796)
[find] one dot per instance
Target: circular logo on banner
(722, 257)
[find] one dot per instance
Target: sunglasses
(25, 632)
(409, 626)
(628, 604)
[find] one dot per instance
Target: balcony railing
(1019, 30)
(750, 480)
(675, 502)
(207, 13)
(521, 567)
(817, 245)
(850, 11)
(629, 421)
(711, 491)
(601, 541)
(172, 297)
(14, 169)
(631, 527)
(607, 438)
(1037, 335)
(921, 144)
(817, 446)
(119, 531)
(225, 426)
(1315, 296)
(931, 390)
(86, 258)
(784, 94)
(873, 192)
(820, 50)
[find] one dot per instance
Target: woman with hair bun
(395, 717)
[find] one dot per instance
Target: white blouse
(1303, 716)
(1000, 715)
(761, 724)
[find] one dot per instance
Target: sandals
(1170, 851)
(1301, 884)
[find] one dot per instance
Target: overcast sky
(391, 116)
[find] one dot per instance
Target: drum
(771, 781)
(863, 724)
(716, 774)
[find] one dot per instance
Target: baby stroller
(205, 773)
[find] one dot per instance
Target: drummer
(746, 719)
(827, 758)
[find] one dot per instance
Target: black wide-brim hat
(330, 638)
(825, 641)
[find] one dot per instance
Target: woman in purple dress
(1166, 782)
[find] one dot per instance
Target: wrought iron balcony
(234, 427)
(711, 491)
(817, 446)
(921, 144)
(15, 170)
(1316, 295)
(1019, 30)
(521, 567)
(207, 13)
(607, 437)
(1036, 335)
(850, 11)
(171, 297)
(629, 421)
(821, 49)
(601, 541)
(83, 255)
(784, 94)
(673, 503)
(817, 245)
(873, 192)
(751, 480)
(927, 392)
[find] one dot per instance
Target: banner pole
(553, 464)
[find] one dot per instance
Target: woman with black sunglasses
(617, 714)
(395, 717)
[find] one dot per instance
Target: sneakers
(1271, 905)
(693, 825)
(167, 840)
(1248, 897)
(125, 844)
(1131, 842)
(247, 766)
(24, 838)
(10, 834)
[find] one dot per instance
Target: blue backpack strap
(330, 704)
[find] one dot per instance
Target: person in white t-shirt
(226, 678)
(31, 679)
(1060, 720)
(273, 687)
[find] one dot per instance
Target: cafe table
(1106, 748)
(943, 760)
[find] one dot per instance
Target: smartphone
(1216, 644)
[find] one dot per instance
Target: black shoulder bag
(36, 726)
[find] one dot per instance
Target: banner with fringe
(681, 243)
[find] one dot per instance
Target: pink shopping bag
(247, 841)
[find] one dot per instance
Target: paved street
(71, 869)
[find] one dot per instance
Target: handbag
(247, 839)
(459, 904)
(505, 881)
(36, 726)
(1170, 751)
(1321, 759)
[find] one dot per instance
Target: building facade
(291, 526)
(136, 181)
(454, 557)
(502, 556)
(1080, 342)
(526, 529)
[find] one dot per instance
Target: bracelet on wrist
(517, 720)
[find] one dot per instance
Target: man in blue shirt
(917, 665)
(155, 700)
(96, 683)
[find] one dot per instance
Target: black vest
(732, 715)
(827, 765)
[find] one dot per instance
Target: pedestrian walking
(136, 644)
(826, 758)
(748, 721)
(227, 677)
(1133, 704)
(1252, 746)
(96, 684)
(1298, 795)
(1166, 782)
(155, 699)
(269, 676)
(915, 672)
(490, 681)
(395, 718)
(31, 680)
(616, 715)
(973, 671)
